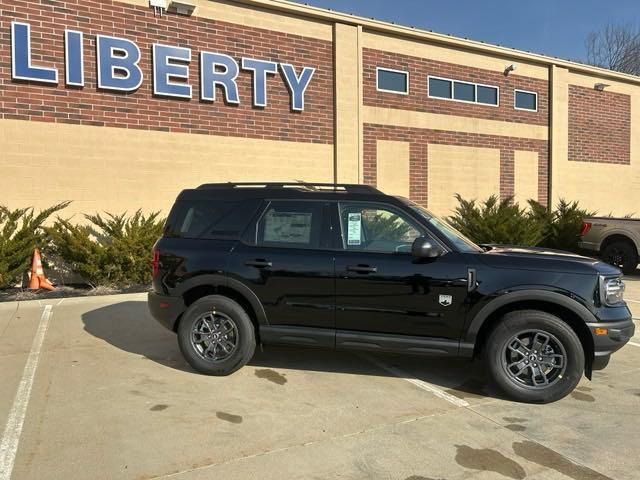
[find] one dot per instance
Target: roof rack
(312, 187)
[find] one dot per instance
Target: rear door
(286, 262)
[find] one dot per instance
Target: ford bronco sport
(348, 267)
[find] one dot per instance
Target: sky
(552, 27)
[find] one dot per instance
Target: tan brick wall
(142, 110)
(471, 172)
(116, 169)
(608, 188)
(421, 140)
(393, 167)
(599, 126)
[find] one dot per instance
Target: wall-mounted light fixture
(510, 68)
(182, 7)
(601, 86)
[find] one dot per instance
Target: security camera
(510, 68)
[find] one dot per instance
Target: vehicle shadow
(128, 326)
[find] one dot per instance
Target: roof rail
(313, 187)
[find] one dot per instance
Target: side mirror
(423, 248)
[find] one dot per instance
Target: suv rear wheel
(621, 254)
(216, 336)
(534, 356)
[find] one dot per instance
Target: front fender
(468, 341)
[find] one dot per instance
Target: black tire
(209, 310)
(526, 324)
(621, 254)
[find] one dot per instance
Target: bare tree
(616, 46)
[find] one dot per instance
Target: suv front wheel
(216, 336)
(534, 356)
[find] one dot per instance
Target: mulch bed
(23, 295)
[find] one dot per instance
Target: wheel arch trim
(530, 295)
(218, 280)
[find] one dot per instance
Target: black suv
(348, 267)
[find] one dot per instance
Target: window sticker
(287, 227)
(354, 229)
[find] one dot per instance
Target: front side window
(393, 81)
(461, 242)
(526, 100)
(375, 228)
(291, 224)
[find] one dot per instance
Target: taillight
(155, 263)
(586, 226)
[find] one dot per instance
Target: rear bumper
(166, 310)
(617, 336)
(589, 246)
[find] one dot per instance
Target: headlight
(611, 290)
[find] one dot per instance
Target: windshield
(461, 242)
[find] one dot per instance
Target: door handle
(260, 263)
(361, 269)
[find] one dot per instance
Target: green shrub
(20, 233)
(497, 221)
(114, 250)
(505, 222)
(562, 225)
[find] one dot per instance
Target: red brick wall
(599, 126)
(141, 110)
(418, 100)
(419, 152)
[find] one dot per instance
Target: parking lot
(94, 388)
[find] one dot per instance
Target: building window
(464, 91)
(447, 89)
(526, 100)
(440, 88)
(487, 95)
(393, 81)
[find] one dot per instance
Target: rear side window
(291, 224)
(210, 219)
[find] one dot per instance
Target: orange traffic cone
(38, 279)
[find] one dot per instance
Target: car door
(382, 289)
(286, 262)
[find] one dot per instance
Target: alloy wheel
(534, 359)
(214, 336)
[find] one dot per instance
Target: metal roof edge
(432, 37)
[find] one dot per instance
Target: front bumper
(617, 335)
(166, 310)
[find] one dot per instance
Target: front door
(288, 265)
(382, 289)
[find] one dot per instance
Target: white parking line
(459, 402)
(634, 344)
(13, 430)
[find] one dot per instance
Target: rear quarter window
(210, 219)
